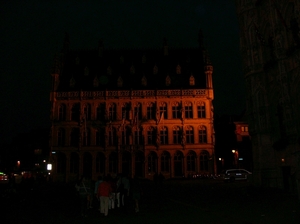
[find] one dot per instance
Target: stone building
(132, 111)
(270, 47)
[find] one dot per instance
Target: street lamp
(235, 156)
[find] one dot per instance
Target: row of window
(153, 111)
(152, 159)
(127, 136)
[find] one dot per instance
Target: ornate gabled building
(270, 47)
(133, 111)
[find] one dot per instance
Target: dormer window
(132, 70)
(168, 81)
(96, 82)
(109, 70)
(86, 71)
(155, 69)
(178, 70)
(144, 81)
(120, 82)
(192, 80)
(72, 82)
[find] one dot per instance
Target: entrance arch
(178, 164)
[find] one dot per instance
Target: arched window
(112, 114)
(100, 137)
(176, 135)
(202, 134)
(112, 162)
(86, 71)
(120, 82)
(61, 137)
(138, 136)
(189, 133)
(165, 162)
(74, 163)
(144, 81)
(87, 111)
(96, 82)
(86, 137)
(101, 112)
(72, 82)
(151, 136)
(201, 110)
(191, 161)
(168, 80)
(74, 138)
(150, 111)
(100, 163)
(112, 136)
(163, 109)
(152, 162)
(137, 110)
(163, 135)
(125, 136)
(75, 112)
(176, 110)
(188, 110)
(62, 112)
(125, 111)
(204, 157)
(192, 80)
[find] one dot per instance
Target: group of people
(110, 192)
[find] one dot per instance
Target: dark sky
(33, 31)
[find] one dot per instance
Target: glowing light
(282, 160)
(49, 166)
(233, 151)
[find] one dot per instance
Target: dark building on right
(270, 48)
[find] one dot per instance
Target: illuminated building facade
(133, 111)
(270, 47)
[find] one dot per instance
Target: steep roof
(106, 66)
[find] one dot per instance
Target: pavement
(205, 201)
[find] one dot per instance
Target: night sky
(33, 31)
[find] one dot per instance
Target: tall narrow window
(189, 135)
(86, 137)
(100, 137)
(176, 111)
(151, 136)
(201, 110)
(151, 111)
(138, 136)
(87, 112)
(176, 135)
(192, 80)
(164, 135)
(191, 161)
(188, 109)
(100, 163)
(202, 134)
(138, 111)
(74, 138)
(75, 112)
(125, 136)
(165, 162)
(112, 136)
(112, 114)
(113, 162)
(152, 162)
(62, 112)
(101, 112)
(163, 109)
(61, 137)
(204, 161)
(125, 111)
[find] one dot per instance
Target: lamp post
(235, 157)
